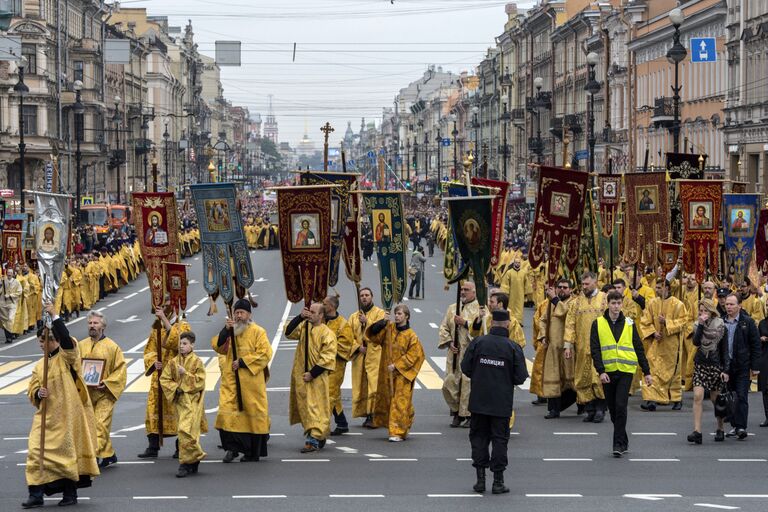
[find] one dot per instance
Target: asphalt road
(562, 463)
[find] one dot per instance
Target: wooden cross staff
(326, 129)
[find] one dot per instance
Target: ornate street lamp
(455, 134)
(592, 88)
(538, 83)
(166, 138)
(675, 55)
(78, 109)
(505, 146)
(22, 90)
(117, 119)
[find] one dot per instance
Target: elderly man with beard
(243, 430)
(314, 358)
(113, 380)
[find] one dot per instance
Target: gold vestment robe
(456, 385)
(582, 311)
(365, 367)
(664, 355)
(558, 372)
(344, 342)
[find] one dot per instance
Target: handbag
(412, 272)
(725, 405)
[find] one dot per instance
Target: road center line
(741, 460)
(201, 301)
(279, 332)
(305, 460)
(259, 497)
(566, 460)
(654, 460)
(115, 303)
(137, 347)
(131, 295)
(575, 433)
(160, 497)
(654, 433)
(454, 495)
(144, 289)
(355, 495)
(433, 325)
(554, 496)
(712, 505)
(745, 495)
(392, 460)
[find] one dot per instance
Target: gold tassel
(212, 310)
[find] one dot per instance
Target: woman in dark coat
(762, 378)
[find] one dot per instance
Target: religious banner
(557, 226)
(157, 228)
(339, 204)
(740, 216)
(385, 211)
(761, 242)
(609, 193)
(701, 201)
(499, 212)
(471, 222)
(681, 166)
(454, 268)
(13, 242)
(223, 241)
(52, 227)
(669, 253)
(176, 285)
(589, 239)
(305, 240)
(647, 216)
(351, 253)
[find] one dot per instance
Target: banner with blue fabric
(740, 216)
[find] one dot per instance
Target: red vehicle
(105, 216)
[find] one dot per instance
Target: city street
(562, 463)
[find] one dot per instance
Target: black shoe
(617, 452)
(67, 501)
(539, 401)
(321, 444)
(229, 457)
(551, 415)
(580, 409)
(648, 406)
(731, 433)
(8, 342)
(498, 486)
(339, 431)
(149, 453)
(719, 436)
(599, 417)
(183, 471)
(465, 422)
(456, 421)
(33, 502)
(176, 454)
(368, 423)
(108, 461)
(480, 484)
(741, 434)
(193, 467)
(695, 437)
(677, 406)
(765, 423)
(590, 417)
(247, 458)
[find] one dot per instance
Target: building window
(30, 52)
(29, 114)
(78, 70)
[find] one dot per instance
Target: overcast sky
(352, 56)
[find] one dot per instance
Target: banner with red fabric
(176, 284)
(304, 221)
(761, 242)
(609, 186)
(669, 253)
(498, 213)
(13, 242)
(157, 228)
(701, 202)
(557, 227)
(351, 250)
(646, 218)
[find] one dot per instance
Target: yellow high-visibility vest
(618, 355)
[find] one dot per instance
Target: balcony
(535, 145)
(556, 127)
(663, 112)
(573, 122)
(518, 116)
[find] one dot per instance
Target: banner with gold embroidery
(351, 251)
(761, 242)
(176, 284)
(646, 217)
(669, 253)
(557, 226)
(701, 201)
(499, 212)
(13, 242)
(681, 166)
(304, 222)
(609, 193)
(740, 222)
(339, 206)
(157, 228)
(385, 211)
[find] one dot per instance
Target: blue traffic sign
(582, 154)
(703, 49)
(382, 151)
(371, 154)
(446, 142)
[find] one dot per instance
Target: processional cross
(327, 129)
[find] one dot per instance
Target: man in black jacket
(496, 365)
(744, 353)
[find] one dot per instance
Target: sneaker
(396, 439)
(731, 433)
(617, 452)
(339, 431)
(741, 434)
(309, 448)
(229, 457)
(456, 421)
(719, 436)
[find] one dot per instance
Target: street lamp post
(505, 146)
(538, 82)
(476, 126)
(675, 55)
(166, 137)
(118, 160)
(22, 90)
(592, 87)
(439, 142)
(455, 134)
(144, 131)
(79, 110)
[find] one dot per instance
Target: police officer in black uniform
(496, 365)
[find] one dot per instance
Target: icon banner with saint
(700, 201)
(740, 231)
(52, 213)
(647, 216)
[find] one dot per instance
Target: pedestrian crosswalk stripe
(429, 378)
(10, 366)
(212, 373)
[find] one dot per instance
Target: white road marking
(434, 266)
(116, 436)
(124, 462)
(553, 496)
(393, 460)
(138, 347)
(101, 309)
(374, 456)
(279, 389)
(712, 505)
(566, 460)
(741, 460)
(355, 495)
(131, 295)
(201, 301)
(425, 433)
(160, 497)
(115, 303)
(279, 332)
(745, 495)
(440, 361)
(305, 460)
(434, 325)
(132, 429)
(417, 310)
(144, 289)
(190, 310)
(651, 497)
(79, 498)
(21, 463)
(654, 433)
(454, 495)
(15, 438)
(654, 460)
(23, 451)
(575, 433)
(352, 434)
(346, 449)
(260, 497)
(464, 460)
(193, 281)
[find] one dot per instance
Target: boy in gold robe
(314, 358)
(69, 461)
(183, 384)
(403, 356)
